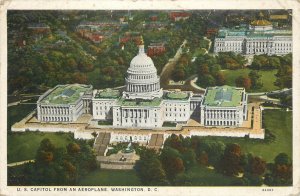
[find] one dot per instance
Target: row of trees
(250, 81)
(57, 166)
(180, 154)
(207, 67)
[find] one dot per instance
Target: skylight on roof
(68, 92)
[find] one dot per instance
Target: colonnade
(135, 113)
(220, 114)
(53, 110)
(143, 88)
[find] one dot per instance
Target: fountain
(129, 148)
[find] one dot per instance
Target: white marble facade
(259, 38)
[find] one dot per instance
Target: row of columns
(143, 88)
(54, 110)
(135, 113)
(213, 114)
(55, 119)
(220, 122)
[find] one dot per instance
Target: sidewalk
(19, 163)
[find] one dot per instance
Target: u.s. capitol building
(143, 103)
(259, 38)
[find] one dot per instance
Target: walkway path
(19, 163)
(166, 71)
(194, 85)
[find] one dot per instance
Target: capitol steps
(101, 143)
(156, 141)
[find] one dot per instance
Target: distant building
(259, 38)
(224, 106)
(39, 27)
(156, 49)
(179, 15)
(153, 17)
(279, 17)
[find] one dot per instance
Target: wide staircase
(156, 141)
(101, 143)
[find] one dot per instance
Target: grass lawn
(268, 78)
(279, 122)
(199, 52)
(105, 123)
(110, 178)
(202, 176)
(23, 146)
(18, 112)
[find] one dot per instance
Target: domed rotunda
(142, 80)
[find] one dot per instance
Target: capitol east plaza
(143, 112)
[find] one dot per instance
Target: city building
(156, 48)
(143, 103)
(64, 103)
(224, 106)
(259, 37)
(179, 15)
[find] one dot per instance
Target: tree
(174, 141)
(182, 179)
(243, 81)
(149, 169)
(203, 158)
(257, 166)
(214, 150)
(220, 79)
(189, 158)
(178, 73)
(206, 81)
(73, 148)
(255, 78)
(172, 162)
(282, 159)
(231, 162)
(280, 173)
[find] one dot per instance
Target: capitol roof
(141, 62)
(140, 102)
(223, 96)
(66, 94)
(108, 93)
(261, 22)
(176, 95)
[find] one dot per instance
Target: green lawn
(18, 112)
(279, 122)
(23, 146)
(268, 78)
(110, 178)
(202, 176)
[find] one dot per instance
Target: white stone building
(259, 38)
(143, 103)
(64, 103)
(224, 106)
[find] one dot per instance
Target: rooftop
(261, 22)
(66, 94)
(176, 95)
(140, 102)
(251, 33)
(108, 94)
(223, 96)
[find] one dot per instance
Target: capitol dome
(261, 24)
(142, 80)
